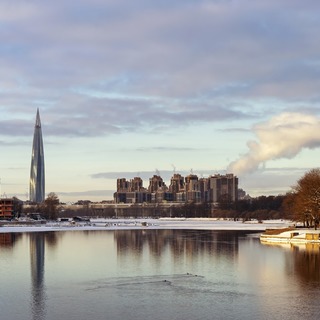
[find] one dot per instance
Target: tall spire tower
(37, 164)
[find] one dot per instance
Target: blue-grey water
(155, 274)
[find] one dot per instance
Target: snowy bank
(162, 223)
(291, 236)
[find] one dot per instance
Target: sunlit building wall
(223, 186)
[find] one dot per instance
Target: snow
(162, 223)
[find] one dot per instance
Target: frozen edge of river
(164, 223)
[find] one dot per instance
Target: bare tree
(50, 206)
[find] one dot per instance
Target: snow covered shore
(294, 236)
(162, 223)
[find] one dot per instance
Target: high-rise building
(156, 183)
(177, 188)
(177, 183)
(37, 179)
(192, 187)
(136, 184)
(122, 185)
(214, 189)
(223, 187)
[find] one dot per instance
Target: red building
(6, 208)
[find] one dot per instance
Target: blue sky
(129, 88)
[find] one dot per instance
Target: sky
(137, 88)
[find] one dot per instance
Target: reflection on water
(177, 241)
(37, 251)
(307, 263)
(303, 260)
(7, 240)
(156, 274)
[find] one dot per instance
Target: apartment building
(222, 187)
(213, 189)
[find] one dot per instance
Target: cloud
(106, 67)
(271, 181)
(87, 193)
(11, 143)
(99, 116)
(14, 128)
(145, 175)
(283, 136)
(166, 149)
(173, 48)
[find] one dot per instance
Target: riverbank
(162, 223)
(290, 235)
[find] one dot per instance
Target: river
(155, 274)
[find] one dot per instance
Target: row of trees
(302, 204)
(49, 208)
(260, 208)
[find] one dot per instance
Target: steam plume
(283, 136)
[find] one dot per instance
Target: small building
(6, 208)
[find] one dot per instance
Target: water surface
(155, 274)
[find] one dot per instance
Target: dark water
(155, 274)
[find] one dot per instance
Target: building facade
(37, 173)
(214, 189)
(6, 208)
(222, 187)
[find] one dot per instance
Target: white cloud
(148, 73)
(283, 136)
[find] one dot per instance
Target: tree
(307, 199)
(50, 206)
(289, 205)
(17, 206)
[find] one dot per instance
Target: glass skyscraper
(37, 181)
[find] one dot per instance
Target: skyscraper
(37, 184)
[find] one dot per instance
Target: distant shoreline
(140, 224)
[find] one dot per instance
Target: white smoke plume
(283, 136)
